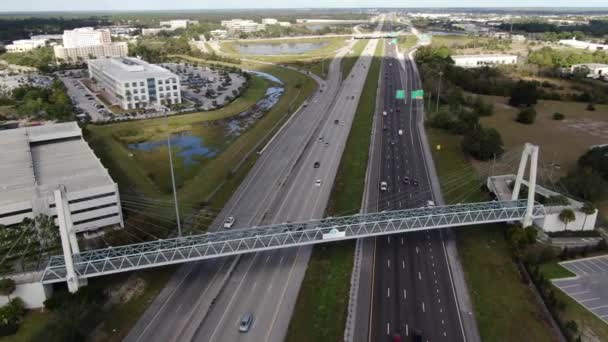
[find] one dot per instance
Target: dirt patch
(125, 291)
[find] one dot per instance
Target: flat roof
(129, 68)
(38, 159)
(482, 56)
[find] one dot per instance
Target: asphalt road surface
(411, 291)
(204, 301)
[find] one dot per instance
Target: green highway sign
(417, 94)
(400, 95)
(394, 41)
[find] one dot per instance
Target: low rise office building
(132, 83)
(35, 161)
(477, 61)
(579, 44)
(86, 43)
(24, 45)
(239, 25)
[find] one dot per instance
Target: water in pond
(278, 48)
(191, 147)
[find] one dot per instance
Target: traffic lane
(344, 135)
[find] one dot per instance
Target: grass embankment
(407, 42)
(348, 62)
(590, 326)
(110, 141)
(504, 306)
(316, 61)
(34, 324)
(320, 312)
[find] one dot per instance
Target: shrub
(591, 107)
(482, 143)
(526, 116)
(558, 116)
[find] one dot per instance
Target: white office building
(24, 45)
(86, 36)
(177, 23)
(35, 161)
(239, 25)
(476, 61)
(83, 53)
(132, 83)
(579, 44)
(269, 21)
(86, 43)
(284, 23)
(594, 70)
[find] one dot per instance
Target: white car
(318, 182)
(400, 132)
(229, 222)
(384, 113)
(430, 203)
(383, 186)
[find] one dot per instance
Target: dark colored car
(317, 165)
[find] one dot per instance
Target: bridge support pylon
(69, 243)
(530, 151)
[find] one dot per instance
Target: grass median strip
(504, 306)
(320, 312)
(348, 61)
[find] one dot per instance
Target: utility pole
(179, 225)
(439, 89)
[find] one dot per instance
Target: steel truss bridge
(223, 243)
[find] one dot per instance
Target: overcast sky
(85, 5)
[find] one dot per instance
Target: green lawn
(504, 306)
(554, 271)
(34, 323)
(320, 312)
(350, 58)
(407, 42)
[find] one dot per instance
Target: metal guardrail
(238, 241)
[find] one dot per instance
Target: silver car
(245, 323)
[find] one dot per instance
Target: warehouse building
(477, 61)
(23, 45)
(132, 83)
(35, 161)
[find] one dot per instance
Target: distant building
(132, 83)
(177, 23)
(593, 70)
(219, 34)
(284, 23)
(37, 160)
(476, 61)
(24, 45)
(87, 43)
(238, 25)
(85, 36)
(269, 21)
(75, 54)
(579, 44)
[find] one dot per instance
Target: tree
(558, 116)
(596, 159)
(588, 208)
(567, 216)
(526, 115)
(524, 93)
(482, 143)
(7, 286)
(531, 234)
(586, 183)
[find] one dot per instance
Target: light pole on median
(439, 89)
(179, 225)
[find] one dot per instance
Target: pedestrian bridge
(223, 243)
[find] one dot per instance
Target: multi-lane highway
(411, 291)
(205, 301)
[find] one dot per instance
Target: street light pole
(439, 89)
(179, 225)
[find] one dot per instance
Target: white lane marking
(388, 263)
(598, 307)
(588, 300)
(416, 249)
(403, 264)
(388, 239)
(407, 330)
(423, 309)
(404, 294)
(419, 276)
(577, 293)
(388, 328)
(567, 286)
(281, 261)
(388, 292)
(267, 259)
(401, 241)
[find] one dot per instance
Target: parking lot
(205, 87)
(85, 101)
(590, 286)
